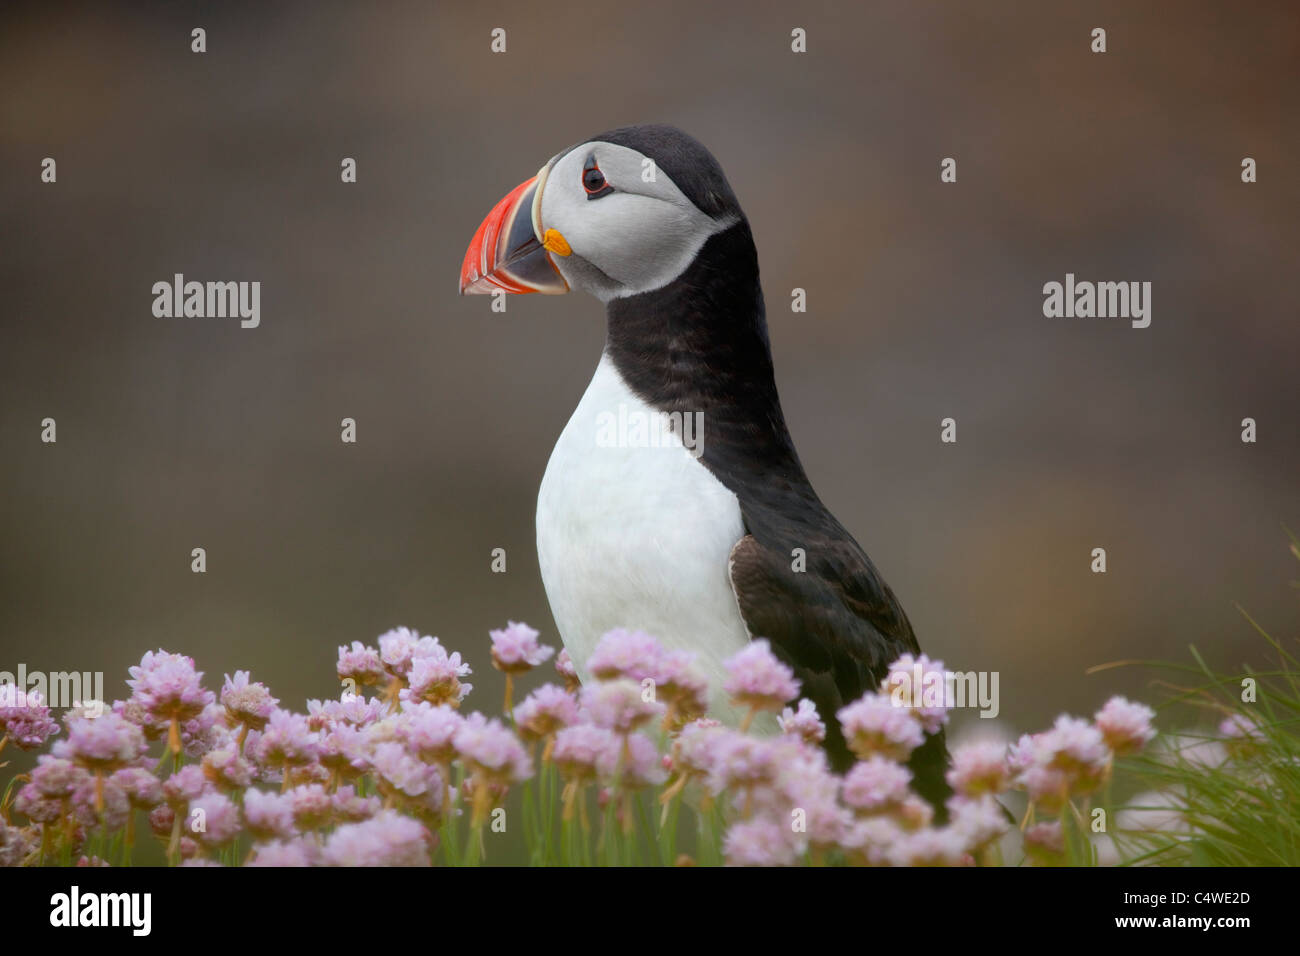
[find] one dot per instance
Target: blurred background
(924, 301)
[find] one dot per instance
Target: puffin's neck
(700, 344)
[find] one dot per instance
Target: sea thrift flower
(344, 751)
(312, 807)
(268, 815)
(246, 702)
(874, 725)
(622, 653)
(928, 847)
(544, 713)
(300, 852)
(1125, 725)
(428, 731)
(187, 784)
(619, 705)
(876, 784)
(564, 667)
(25, 721)
(227, 769)
(361, 665)
(744, 762)
(803, 723)
(1070, 758)
(757, 680)
(515, 649)
(922, 685)
(979, 820)
(400, 771)
(142, 789)
(400, 647)
(1045, 843)
(213, 820)
(436, 679)
(979, 767)
(633, 765)
(101, 744)
(681, 686)
(348, 807)
(490, 749)
(286, 742)
(389, 839)
(582, 748)
(871, 840)
(761, 841)
(168, 687)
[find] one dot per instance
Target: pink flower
(107, 742)
(633, 765)
(804, 723)
(978, 820)
(400, 647)
(300, 852)
(142, 789)
(268, 815)
(876, 784)
(389, 839)
(436, 679)
(361, 665)
(757, 680)
(185, 785)
(348, 807)
(582, 748)
(744, 762)
(489, 748)
(286, 742)
(695, 750)
(1125, 726)
(564, 667)
(761, 841)
(928, 847)
(227, 769)
(247, 703)
(619, 705)
(681, 685)
(401, 771)
(168, 686)
(429, 731)
(979, 767)
(545, 711)
(312, 807)
(24, 718)
(1070, 758)
(213, 820)
(874, 725)
(922, 685)
(622, 653)
(1045, 843)
(515, 649)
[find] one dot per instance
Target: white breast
(636, 533)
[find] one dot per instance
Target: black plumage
(701, 344)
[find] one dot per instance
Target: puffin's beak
(510, 252)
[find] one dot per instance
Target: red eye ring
(593, 180)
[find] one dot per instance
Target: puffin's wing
(837, 624)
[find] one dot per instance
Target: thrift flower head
(921, 684)
(874, 725)
(761, 841)
(876, 784)
(622, 653)
(489, 748)
(361, 664)
(619, 705)
(681, 685)
(227, 769)
(212, 820)
(565, 668)
(168, 686)
(247, 703)
(757, 680)
(428, 731)
(436, 679)
(515, 649)
(979, 820)
(400, 647)
(103, 743)
(803, 723)
(929, 847)
(286, 742)
(301, 852)
(400, 771)
(545, 711)
(633, 765)
(142, 789)
(268, 815)
(582, 748)
(389, 839)
(24, 719)
(979, 767)
(1125, 725)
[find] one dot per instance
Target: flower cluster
(405, 777)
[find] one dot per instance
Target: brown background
(924, 302)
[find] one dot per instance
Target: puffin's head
(623, 213)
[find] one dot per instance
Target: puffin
(697, 542)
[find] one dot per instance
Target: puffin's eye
(593, 180)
